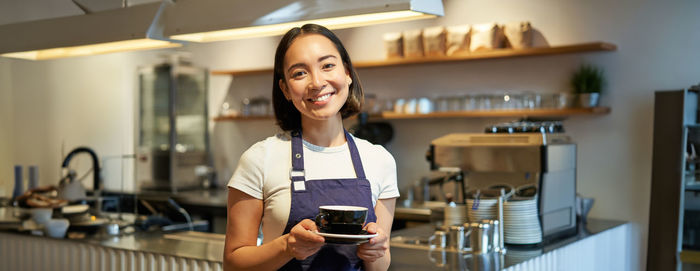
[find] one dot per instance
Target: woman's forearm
(381, 264)
(269, 256)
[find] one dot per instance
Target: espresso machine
(545, 158)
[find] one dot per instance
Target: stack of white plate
(455, 214)
(483, 209)
(521, 224)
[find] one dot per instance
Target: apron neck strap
(297, 172)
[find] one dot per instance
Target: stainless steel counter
(130, 252)
(190, 245)
(208, 248)
(419, 257)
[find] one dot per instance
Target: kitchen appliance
(173, 134)
(544, 159)
(375, 132)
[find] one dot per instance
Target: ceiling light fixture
(216, 20)
(169, 24)
(125, 29)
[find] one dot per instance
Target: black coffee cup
(341, 219)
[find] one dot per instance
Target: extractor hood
(123, 29)
(215, 20)
(168, 24)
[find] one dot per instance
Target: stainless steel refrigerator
(173, 137)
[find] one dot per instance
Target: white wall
(86, 101)
(6, 133)
(89, 100)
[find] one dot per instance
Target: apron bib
(307, 196)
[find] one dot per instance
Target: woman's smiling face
(315, 79)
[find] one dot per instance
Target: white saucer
(349, 239)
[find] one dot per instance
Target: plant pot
(588, 99)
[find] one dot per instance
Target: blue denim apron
(307, 196)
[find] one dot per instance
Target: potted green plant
(588, 82)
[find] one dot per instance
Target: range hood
(215, 20)
(169, 24)
(124, 29)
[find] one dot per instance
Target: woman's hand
(376, 247)
(301, 243)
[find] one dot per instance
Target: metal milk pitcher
(496, 242)
(479, 237)
(457, 237)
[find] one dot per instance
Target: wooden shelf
(690, 256)
(493, 54)
(502, 113)
(241, 118)
(254, 118)
(463, 114)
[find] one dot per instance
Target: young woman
(281, 181)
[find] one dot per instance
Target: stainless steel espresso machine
(545, 159)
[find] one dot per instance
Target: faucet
(95, 165)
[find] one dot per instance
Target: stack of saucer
(485, 208)
(455, 214)
(521, 225)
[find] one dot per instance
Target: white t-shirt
(263, 173)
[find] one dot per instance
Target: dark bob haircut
(288, 117)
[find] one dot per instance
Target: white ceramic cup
(399, 105)
(425, 106)
(410, 106)
(57, 228)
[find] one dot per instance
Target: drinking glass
(531, 100)
(498, 100)
(386, 105)
(483, 102)
(454, 103)
(370, 105)
(550, 100)
(563, 100)
(440, 104)
(512, 101)
(469, 102)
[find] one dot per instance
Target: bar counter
(597, 246)
(135, 251)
